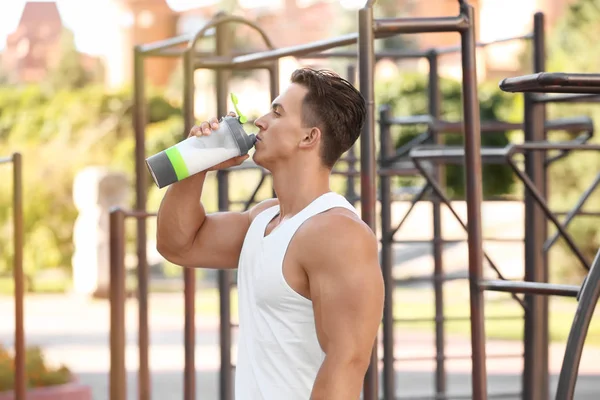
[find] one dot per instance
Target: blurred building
(34, 47)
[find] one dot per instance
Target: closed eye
(277, 108)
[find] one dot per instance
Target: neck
(296, 188)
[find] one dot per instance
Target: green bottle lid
(241, 116)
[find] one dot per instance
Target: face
(282, 137)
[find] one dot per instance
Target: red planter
(69, 391)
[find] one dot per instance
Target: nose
(260, 123)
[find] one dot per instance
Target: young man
(309, 282)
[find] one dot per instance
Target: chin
(258, 160)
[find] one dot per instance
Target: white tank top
(278, 351)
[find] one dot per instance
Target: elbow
(165, 251)
(353, 361)
(168, 250)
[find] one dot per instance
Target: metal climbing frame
(222, 62)
(535, 372)
(535, 377)
(573, 87)
(19, 289)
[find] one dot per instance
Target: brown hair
(334, 106)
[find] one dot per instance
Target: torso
(293, 272)
(279, 353)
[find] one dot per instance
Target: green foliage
(59, 134)
(39, 373)
(571, 49)
(70, 73)
(407, 95)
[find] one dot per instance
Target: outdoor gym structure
(423, 156)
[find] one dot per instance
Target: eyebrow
(277, 105)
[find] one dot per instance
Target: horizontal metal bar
(580, 213)
(580, 123)
(456, 357)
(457, 319)
(456, 241)
(441, 126)
(155, 48)
(133, 213)
(545, 146)
(553, 82)
(398, 171)
(424, 119)
(395, 55)
(530, 288)
(431, 278)
(4, 160)
(270, 55)
(486, 126)
(220, 62)
(567, 98)
(442, 396)
(421, 25)
(452, 154)
(400, 54)
(455, 49)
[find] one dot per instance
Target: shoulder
(262, 206)
(335, 235)
(340, 222)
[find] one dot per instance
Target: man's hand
(205, 129)
(340, 256)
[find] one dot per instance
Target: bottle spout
(252, 138)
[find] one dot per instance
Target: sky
(88, 19)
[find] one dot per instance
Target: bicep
(218, 242)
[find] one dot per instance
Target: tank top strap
(321, 204)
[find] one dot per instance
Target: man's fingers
(214, 123)
(195, 131)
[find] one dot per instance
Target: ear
(311, 138)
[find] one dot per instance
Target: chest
(270, 264)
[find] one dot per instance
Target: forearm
(339, 379)
(180, 214)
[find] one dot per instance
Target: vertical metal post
(474, 196)
(140, 186)
(535, 370)
(224, 276)
(385, 188)
(189, 274)
(438, 273)
(20, 373)
(351, 156)
(368, 195)
(118, 374)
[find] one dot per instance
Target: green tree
(58, 135)
(571, 48)
(69, 72)
(407, 95)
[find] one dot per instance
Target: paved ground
(75, 330)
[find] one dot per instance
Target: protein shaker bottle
(197, 154)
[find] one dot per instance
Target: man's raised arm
(188, 237)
